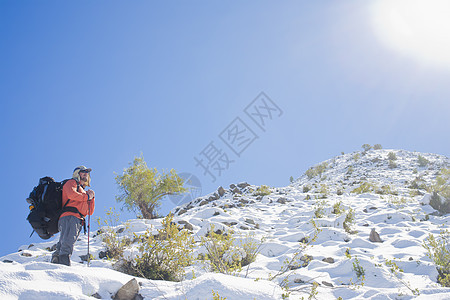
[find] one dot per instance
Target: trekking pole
(89, 231)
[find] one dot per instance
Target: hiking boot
(64, 260)
(55, 259)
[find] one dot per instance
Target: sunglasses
(83, 171)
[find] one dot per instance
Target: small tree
(143, 188)
(366, 147)
(423, 162)
(377, 147)
(392, 156)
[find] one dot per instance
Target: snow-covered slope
(395, 206)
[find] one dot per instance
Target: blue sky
(97, 83)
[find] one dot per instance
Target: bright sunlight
(417, 28)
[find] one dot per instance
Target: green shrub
(366, 147)
(338, 208)
(115, 242)
(263, 190)
(317, 170)
(356, 156)
(226, 256)
(291, 179)
(418, 183)
(349, 221)
(306, 188)
(392, 164)
(319, 211)
(350, 170)
(392, 156)
(386, 190)
(438, 250)
(310, 173)
(323, 189)
(377, 147)
(440, 199)
(321, 168)
(423, 162)
(162, 256)
(216, 296)
(365, 187)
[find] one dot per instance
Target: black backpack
(46, 207)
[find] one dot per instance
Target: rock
(182, 211)
(104, 254)
(365, 210)
(129, 291)
(187, 225)
(229, 224)
(215, 196)
(410, 258)
(52, 248)
(120, 230)
(7, 261)
(374, 237)
(31, 245)
(204, 202)
(26, 254)
(304, 240)
(250, 221)
(327, 284)
(96, 296)
(281, 200)
(221, 191)
(440, 203)
(329, 260)
(232, 186)
(243, 201)
(299, 280)
(236, 191)
(243, 185)
(85, 257)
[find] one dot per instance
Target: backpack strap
(72, 209)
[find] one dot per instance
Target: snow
(403, 222)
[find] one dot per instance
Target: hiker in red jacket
(77, 203)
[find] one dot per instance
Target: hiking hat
(82, 169)
(76, 174)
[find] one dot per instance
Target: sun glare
(417, 28)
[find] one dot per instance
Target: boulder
(236, 191)
(243, 185)
(374, 237)
(250, 221)
(128, 291)
(186, 224)
(221, 191)
(329, 260)
(281, 200)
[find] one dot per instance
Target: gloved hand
(91, 194)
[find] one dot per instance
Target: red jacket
(78, 198)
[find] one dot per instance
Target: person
(77, 203)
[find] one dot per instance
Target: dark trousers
(69, 227)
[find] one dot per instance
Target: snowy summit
(356, 226)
